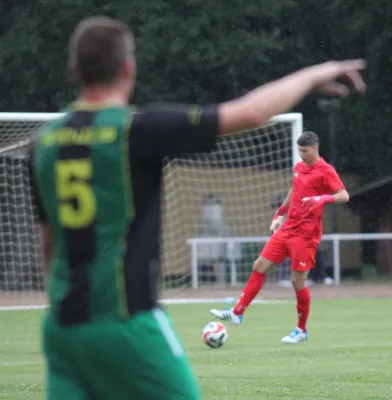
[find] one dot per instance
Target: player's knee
(294, 282)
(262, 265)
(298, 280)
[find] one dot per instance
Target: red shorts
(300, 250)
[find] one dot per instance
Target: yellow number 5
(73, 186)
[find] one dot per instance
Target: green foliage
(197, 51)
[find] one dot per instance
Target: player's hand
(316, 201)
(276, 224)
(326, 75)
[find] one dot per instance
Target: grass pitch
(348, 356)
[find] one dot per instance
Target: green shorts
(138, 359)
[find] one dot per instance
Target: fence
(232, 253)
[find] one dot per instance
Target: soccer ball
(215, 334)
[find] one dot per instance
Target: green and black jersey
(96, 177)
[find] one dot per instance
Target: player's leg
(302, 260)
(141, 358)
(274, 252)
(62, 384)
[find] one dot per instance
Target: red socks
(303, 307)
(252, 288)
(255, 283)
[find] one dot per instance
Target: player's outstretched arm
(277, 221)
(170, 129)
(259, 105)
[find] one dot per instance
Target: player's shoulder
(170, 110)
(144, 113)
(300, 166)
(145, 116)
(324, 166)
(161, 114)
(157, 107)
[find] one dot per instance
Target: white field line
(165, 301)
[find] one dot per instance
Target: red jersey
(314, 180)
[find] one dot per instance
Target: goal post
(236, 186)
(20, 248)
(17, 129)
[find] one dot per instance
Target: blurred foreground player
(97, 179)
(315, 183)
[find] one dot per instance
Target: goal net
(232, 191)
(21, 278)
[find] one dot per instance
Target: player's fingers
(352, 65)
(357, 80)
(305, 199)
(334, 89)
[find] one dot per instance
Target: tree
(187, 55)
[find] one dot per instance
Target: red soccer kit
(300, 234)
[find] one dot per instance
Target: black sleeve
(37, 206)
(164, 130)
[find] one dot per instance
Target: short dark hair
(97, 50)
(308, 138)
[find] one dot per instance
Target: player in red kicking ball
(315, 183)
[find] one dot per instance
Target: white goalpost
(21, 278)
(232, 191)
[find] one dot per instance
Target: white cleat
(296, 336)
(228, 315)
